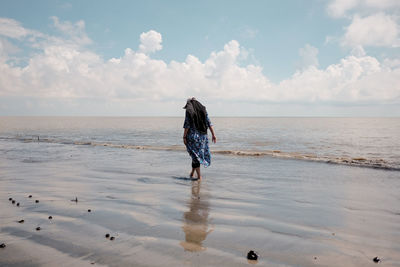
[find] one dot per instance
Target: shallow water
(288, 210)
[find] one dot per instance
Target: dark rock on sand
(38, 228)
(89, 210)
(30, 196)
(112, 238)
(13, 201)
(50, 217)
(21, 221)
(107, 235)
(36, 201)
(10, 199)
(376, 259)
(2, 245)
(18, 204)
(252, 255)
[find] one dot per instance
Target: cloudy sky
(239, 58)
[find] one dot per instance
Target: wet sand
(292, 213)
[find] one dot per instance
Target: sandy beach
(292, 213)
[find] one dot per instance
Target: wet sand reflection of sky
(195, 220)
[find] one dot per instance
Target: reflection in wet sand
(195, 221)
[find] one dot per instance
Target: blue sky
(275, 30)
(246, 58)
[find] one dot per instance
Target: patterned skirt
(197, 147)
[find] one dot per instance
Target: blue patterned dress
(197, 143)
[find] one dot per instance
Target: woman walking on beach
(195, 135)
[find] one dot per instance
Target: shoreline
(355, 161)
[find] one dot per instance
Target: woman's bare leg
(192, 173)
(198, 172)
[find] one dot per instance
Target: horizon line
(161, 116)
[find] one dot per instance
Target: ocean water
(363, 142)
(299, 191)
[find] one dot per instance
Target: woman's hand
(214, 138)
(185, 133)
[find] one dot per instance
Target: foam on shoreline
(349, 161)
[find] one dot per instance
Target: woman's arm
(214, 138)
(184, 135)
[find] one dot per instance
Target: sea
(297, 191)
(358, 142)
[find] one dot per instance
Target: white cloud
(73, 71)
(382, 4)
(309, 56)
(342, 8)
(338, 8)
(12, 28)
(358, 51)
(7, 48)
(353, 80)
(150, 42)
(74, 31)
(375, 30)
(72, 34)
(392, 63)
(372, 22)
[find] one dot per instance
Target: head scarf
(197, 115)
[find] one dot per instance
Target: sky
(239, 58)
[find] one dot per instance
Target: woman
(195, 135)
